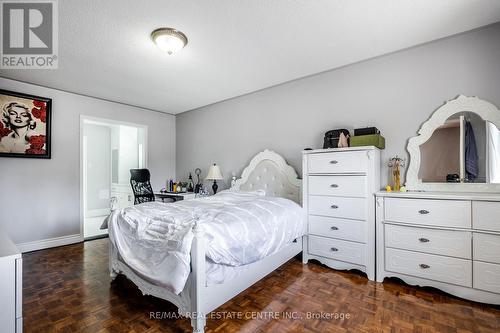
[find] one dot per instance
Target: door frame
(102, 121)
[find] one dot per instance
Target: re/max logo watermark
(29, 34)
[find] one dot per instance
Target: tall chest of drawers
(338, 198)
(449, 241)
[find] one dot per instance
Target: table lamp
(214, 174)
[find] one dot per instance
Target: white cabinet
(11, 266)
(338, 188)
(449, 241)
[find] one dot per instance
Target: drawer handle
(334, 162)
(334, 206)
(423, 211)
(423, 240)
(334, 185)
(334, 249)
(334, 228)
(424, 266)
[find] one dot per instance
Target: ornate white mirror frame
(484, 109)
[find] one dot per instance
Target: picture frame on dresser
(338, 200)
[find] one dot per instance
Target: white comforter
(154, 238)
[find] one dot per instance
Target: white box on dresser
(338, 199)
(11, 266)
(449, 241)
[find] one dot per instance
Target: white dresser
(338, 198)
(450, 241)
(11, 266)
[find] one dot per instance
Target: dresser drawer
(351, 230)
(445, 213)
(339, 162)
(486, 247)
(442, 242)
(351, 208)
(337, 249)
(486, 215)
(346, 186)
(429, 266)
(487, 276)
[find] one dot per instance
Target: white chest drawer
(352, 230)
(350, 208)
(434, 241)
(347, 186)
(340, 206)
(444, 213)
(337, 249)
(487, 276)
(486, 215)
(487, 248)
(340, 162)
(429, 266)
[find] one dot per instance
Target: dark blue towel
(471, 166)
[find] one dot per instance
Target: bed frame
(268, 171)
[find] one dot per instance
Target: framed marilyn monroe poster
(24, 125)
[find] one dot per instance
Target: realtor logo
(29, 34)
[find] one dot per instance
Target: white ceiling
(235, 46)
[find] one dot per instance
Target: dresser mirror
(457, 149)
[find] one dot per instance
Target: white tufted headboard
(269, 171)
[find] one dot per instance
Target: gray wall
(395, 93)
(40, 199)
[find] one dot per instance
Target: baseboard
(48, 243)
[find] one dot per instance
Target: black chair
(141, 185)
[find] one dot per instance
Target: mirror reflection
(465, 148)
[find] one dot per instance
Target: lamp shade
(214, 173)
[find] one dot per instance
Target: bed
(267, 174)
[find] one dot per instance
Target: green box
(376, 140)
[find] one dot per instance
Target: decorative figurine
(396, 163)
(388, 188)
(402, 189)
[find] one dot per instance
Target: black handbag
(332, 137)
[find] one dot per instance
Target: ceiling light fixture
(169, 40)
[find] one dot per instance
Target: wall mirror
(457, 149)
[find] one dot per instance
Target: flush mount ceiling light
(169, 40)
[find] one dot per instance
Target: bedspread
(154, 239)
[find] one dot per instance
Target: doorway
(109, 149)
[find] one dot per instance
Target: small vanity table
(447, 234)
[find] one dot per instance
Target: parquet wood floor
(67, 289)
